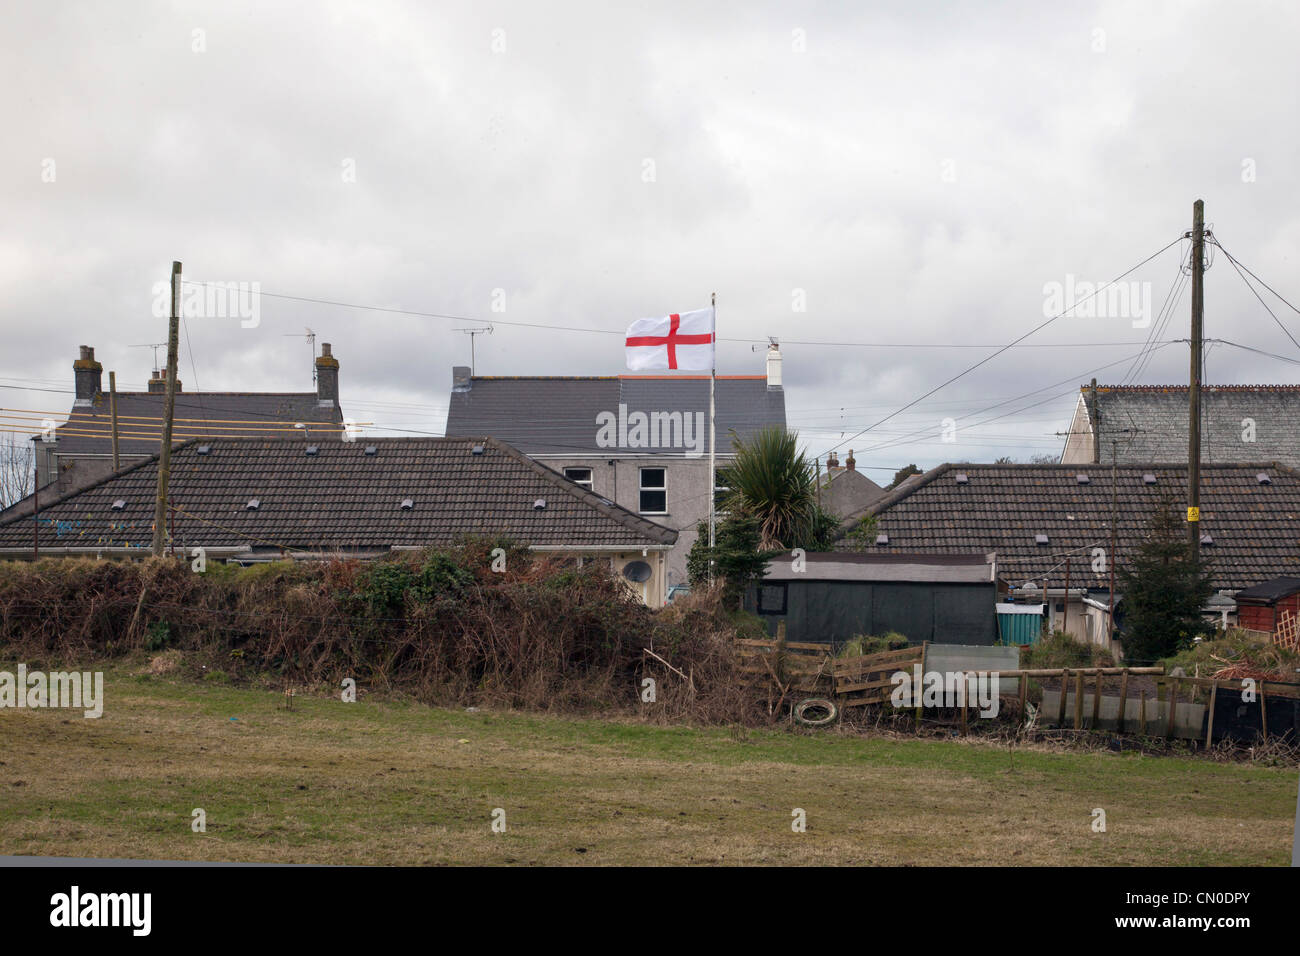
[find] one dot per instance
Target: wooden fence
(790, 669)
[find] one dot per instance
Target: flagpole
(713, 437)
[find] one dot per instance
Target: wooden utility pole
(1114, 512)
(112, 407)
(1194, 390)
(169, 409)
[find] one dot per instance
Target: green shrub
(1060, 649)
(158, 636)
(863, 644)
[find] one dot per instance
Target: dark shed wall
(835, 611)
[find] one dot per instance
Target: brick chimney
(158, 384)
(87, 375)
(774, 365)
(327, 376)
(832, 462)
(850, 463)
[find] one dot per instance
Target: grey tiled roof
(339, 498)
(1149, 423)
(199, 414)
(1001, 508)
(557, 415)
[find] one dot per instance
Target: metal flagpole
(713, 436)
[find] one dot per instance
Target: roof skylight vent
(407, 504)
(1207, 539)
(539, 504)
(204, 449)
(313, 449)
(1263, 478)
(1040, 539)
(119, 504)
(372, 450)
(1082, 479)
(1148, 479)
(476, 450)
(962, 478)
(253, 504)
(882, 539)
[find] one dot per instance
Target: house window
(771, 599)
(721, 488)
(654, 491)
(579, 476)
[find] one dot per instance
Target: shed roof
(1268, 592)
(866, 567)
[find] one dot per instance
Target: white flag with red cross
(679, 341)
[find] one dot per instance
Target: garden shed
(831, 597)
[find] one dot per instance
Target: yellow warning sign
(1193, 514)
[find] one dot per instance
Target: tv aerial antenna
(471, 333)
(151, 345)
(310, 336)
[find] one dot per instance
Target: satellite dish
(638, 571)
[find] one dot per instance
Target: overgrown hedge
(439, 624)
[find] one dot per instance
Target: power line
(1004, 348)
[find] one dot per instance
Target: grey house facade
(641, 441)
(1137, 424)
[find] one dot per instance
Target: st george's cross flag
(678, 341)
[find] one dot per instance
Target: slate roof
(339, 498)
(1002, 508)
(1156, 419)
(556, 415)
(88, 430)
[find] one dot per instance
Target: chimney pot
(87, 375)
(774, 365)
(327, 377)
(850, 463)
(158, 384)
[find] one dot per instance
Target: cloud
(914, 175)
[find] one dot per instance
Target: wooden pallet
(869, 679)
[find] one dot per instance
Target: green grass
(401, 783)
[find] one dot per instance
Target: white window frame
(581, 482)
(642, 488)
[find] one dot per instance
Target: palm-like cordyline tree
(772, 481)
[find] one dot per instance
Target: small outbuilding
(832, 597)
(1260, 607)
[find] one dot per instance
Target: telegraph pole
(169, 409)
(1194, 391)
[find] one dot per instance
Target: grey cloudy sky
(916, 172)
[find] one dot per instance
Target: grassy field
(399, 783)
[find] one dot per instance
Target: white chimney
(774, 365)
